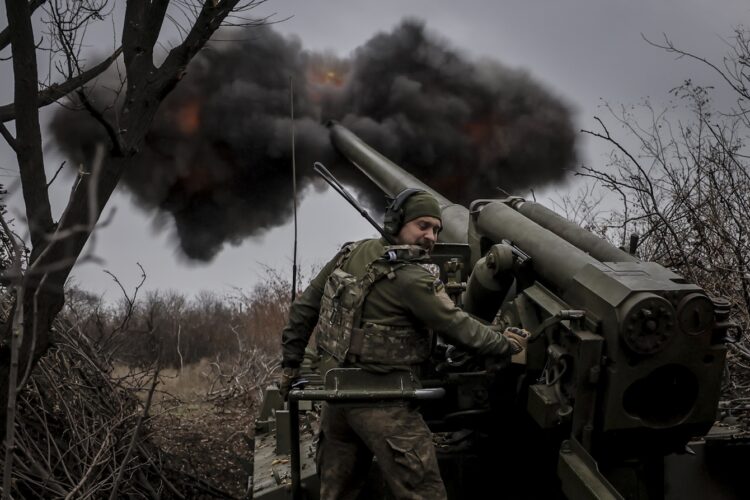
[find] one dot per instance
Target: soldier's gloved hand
(518, 338)
(288, 376)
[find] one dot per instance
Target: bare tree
(684, 184)
(55, 246)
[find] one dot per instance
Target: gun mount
(624, 370)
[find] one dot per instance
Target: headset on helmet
(394, 213)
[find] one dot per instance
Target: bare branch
(16, 341)
(5, 34)
(670, 47)
(59, 169)
(136, 431)
(114, 137)
(209, 19)
(8, 137)
(57, 91)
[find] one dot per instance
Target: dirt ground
(210, 442)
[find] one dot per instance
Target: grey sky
(583, 50)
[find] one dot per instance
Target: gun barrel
(543, 233)
(571, 232)
(392, 179)
(554, 258)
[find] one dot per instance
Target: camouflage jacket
(414, 298)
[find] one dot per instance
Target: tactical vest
(340, 332)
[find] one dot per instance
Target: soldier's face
(422, 231)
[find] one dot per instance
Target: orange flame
(189, 117)
(324, 76)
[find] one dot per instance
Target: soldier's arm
(425, 297)
(303, 316)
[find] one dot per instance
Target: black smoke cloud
(218, 156)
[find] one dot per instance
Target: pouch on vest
(338, 306)
(390, 344)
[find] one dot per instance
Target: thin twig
(134, 438)
(59, 169)
(16, 341)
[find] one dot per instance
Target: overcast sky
(585, 51)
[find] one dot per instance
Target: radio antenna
(294, 191)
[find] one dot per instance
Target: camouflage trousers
(396, 435)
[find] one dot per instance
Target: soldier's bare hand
(288, 376)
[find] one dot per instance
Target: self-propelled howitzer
(627, 355)
(622, 376)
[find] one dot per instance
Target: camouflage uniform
(396, 435)
(411, 297)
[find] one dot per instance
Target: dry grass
(187, 384)
(85, 416)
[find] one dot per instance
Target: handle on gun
(336, 185)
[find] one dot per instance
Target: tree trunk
(56, 249)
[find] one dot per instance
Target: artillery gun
(616, 396)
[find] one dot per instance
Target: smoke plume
(218, 156)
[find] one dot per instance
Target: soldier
(377, 304)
